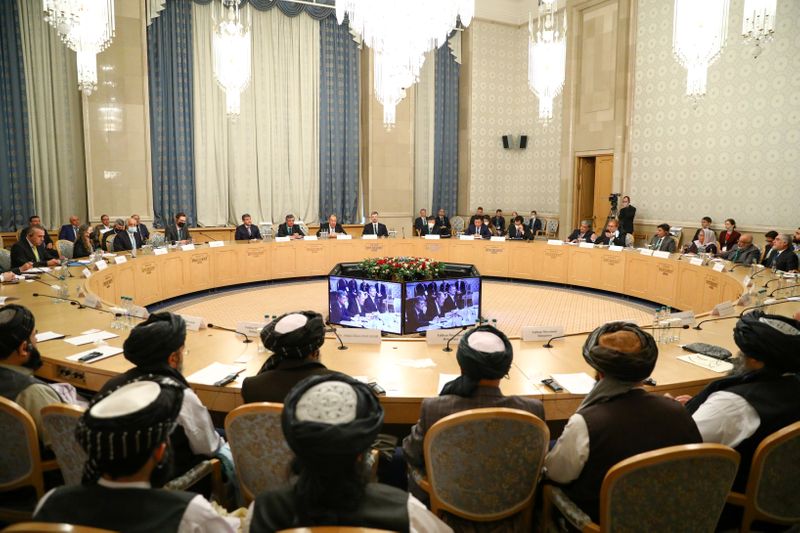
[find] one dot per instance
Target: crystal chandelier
(547, 56)
(232, 52)
(699, 34)
(399, 34)
(758, 22)
(85, 26)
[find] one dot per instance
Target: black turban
(772, 339)
(340, 420)
(298, 343)
(151, 342)
(117, 427)
(16, 325)
(477, 364)
(624, 357)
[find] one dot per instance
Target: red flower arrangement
(402, 268)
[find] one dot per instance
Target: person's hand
(49, 246)
(7, 276)
(27, 266)
(683, 398)
(53, 262)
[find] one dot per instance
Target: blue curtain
(445, 144)
(169, 53)
(338, 122)
(290, 9)
(16, 189)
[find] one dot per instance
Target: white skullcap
(486, 342)
(290, 323)
(329, 402)
(127, 399)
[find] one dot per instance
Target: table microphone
(246, 338)
(773, 281)
(71, 301)
(208, 237)
(649, 326)
(336, 333)
(786, 287)
(746, 309)
(734, 267)
(447, 348)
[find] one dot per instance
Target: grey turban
(291, 337)
(626, 352)
(772, 339)
(151, 342)
(16, 325)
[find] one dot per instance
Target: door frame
(576, 170)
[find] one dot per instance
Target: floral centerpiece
(402, 268)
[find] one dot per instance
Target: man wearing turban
(484, 355)
(125, 434)
(156, 347)
(294, 340)
(764, 396)
(618, 418)
(330, 423)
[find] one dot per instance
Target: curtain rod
(315, 4)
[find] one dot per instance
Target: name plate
(696, 261)
(541, 333)
(615, 248)
(310, 238)
(645, 251)
(101, 265)
(120, 259)
(92, 301)
(343, 237)
(160, 251)
(138, 311)
(216, 244)
(719, 267)
(86, 273)
(723, 309)
(661, 253)
(439, 337)
(432, 237)
(555, 242)
(251, 329)
(359, 336)
(466, 237)
(684, 318)
(284, 239)
(187, 247)
(371, 237)
(194, 323)
(498, 239)
(585, 244)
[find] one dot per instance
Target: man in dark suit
(373, 227)
(373, 302)
(144, 233)
(499, 222)
(178, 232)
(247, 231)
(478, 215)
(583, 234)
(357, 307)
(769, 237)
(332, 227)
(128, 239)
(518, 231)
(417, 315)
(119, 227)
(436, 306)
(613, 236)
(534, 223)
(69, 232)
(294, 340)
(453, 299)
(782, 257)
(429, 228)
(50, 249)
(443, 223)
(31, 250)
(290, 229)
(478, 228)
(339, 309)
(662, 240)
(421, 221)
(484, 355)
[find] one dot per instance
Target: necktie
(375, 229)
(36, 253)
(735, 255)
(75, 232)
(249, 233)
(658, 246)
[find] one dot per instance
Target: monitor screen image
(442, 304)
(365, 303)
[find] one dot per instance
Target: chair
(157, 240)
(677, 232)
(260, 452)
(5, 260)
(49, 527)
(60, 421)
(110, 243)
(20, 463)
(333, 529)
(551, 228)
(65, 248)
(485, 479)
(629, 240)
(774, 483)
(209, 467)
(457, 224)
(674, 489)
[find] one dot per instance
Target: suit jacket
(500, 224)
(667, 244)
(472, 219)
(106, 236)
(785, 261)
(68, 232)
(50, 250)
(420, 223)
(285, 231)
(357, 309)
(625, 217)
(415, 319)
(173, 233)
(326, 227)
(434, 409)
(22, 253)
(434, 310)
(535, 225)
(524, 235)
(372, 305)
(748, 256)
(483, 231)
(122, 241)
(425, 231)
(710, 248)
(369, 229)
(242, 235)
(273, 385)
(587, 237)
(80, 250)
(728, 241)
(339, 313)
(144, 232)
(618, 240)
(444, 222)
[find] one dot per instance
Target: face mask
(34, 361)
(132, 229)
(181, 224)
(430, 225)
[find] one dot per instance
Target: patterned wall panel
(738, 153)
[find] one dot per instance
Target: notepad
(94, 336)
(577, 383)
(212, 373)
(45, 336)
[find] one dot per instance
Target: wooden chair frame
(427, 484)
(50, 527)
(748, 500)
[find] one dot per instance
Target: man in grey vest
(125, 434)
(618, 418)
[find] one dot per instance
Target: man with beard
(19, 358)
(126, 436)
(157, 347)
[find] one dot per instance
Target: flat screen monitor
(442, 304)
(365, 303)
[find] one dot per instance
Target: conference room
(350, 265)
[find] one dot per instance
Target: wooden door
(584, 191)
(603, 183)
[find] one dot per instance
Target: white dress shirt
(726, 418)
(197, 424)
(566, 460)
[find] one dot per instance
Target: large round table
(150, 279)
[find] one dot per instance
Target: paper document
(106, 351)
(578, 383)
(445, 379)
(80, 340)
(417, 363)
(709, 363)
(38, 270)
(212, 373)
(48, 336)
